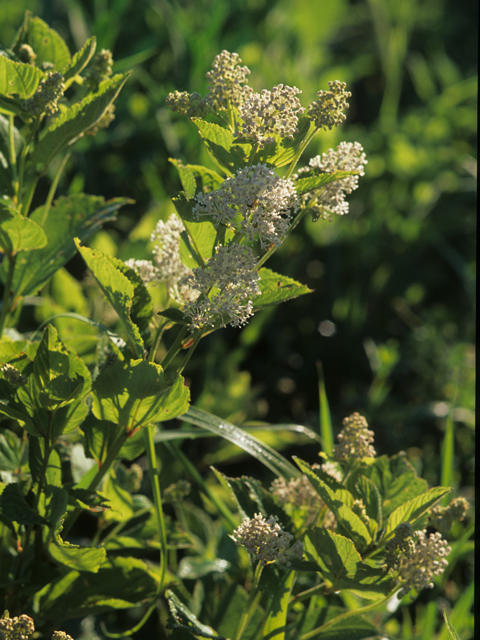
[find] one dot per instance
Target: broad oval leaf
(48, 45)
(18, 233)
(135, 394)
(414, 509)
(87, 559)
(17, 78)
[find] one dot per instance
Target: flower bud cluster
(227, 82)
(226, 88)
(26, 54)
(100, 70)
(262, 200)
(107, 117)
(266, 541)
(13, 375)
(422, 560)
(270, 112)
(402, 544)
(45, 99)
(349, 156)
(327, 111)
(355, 440)
(299, 493)
(16, 628)
(177, 491)
(61, 635)
(228, 282)
(442, 518)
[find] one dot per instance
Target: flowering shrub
(75, 415)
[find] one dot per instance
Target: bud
(327, 111)
(355, 440)
(266, 541)
(12, 375)
(45, 99)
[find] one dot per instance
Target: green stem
(174, 348)
(189, 354)
(253, 600)
(53, 188)
(175, 450)
(308, 593)
(21, 172)
(6, 303)
(13, 157)
(156, 341)
(315, 633)
(301, 149)
(102, 471)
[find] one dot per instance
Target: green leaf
(118, 289)
(198, 242)
(87, 559)
(119, 583)
(119, 500)
(354, 627)
(10, 451)
(396, 480)
(79, 61)
(451, 630)
(75, 120)
(414, 509)
(220, 144)
(209, 179)
(18, 233)
(276, 623)
(142, 306)
(135, 394)
(17, 78)
(283, 150)
(14, 507)
(175, 315)
(314, 182)
(79, 216)
(46, 42)
(265, 454)
(230, 610)
(276, 288)
(187, 178)
(194, 567)
(182, 618)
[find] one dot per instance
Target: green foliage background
(394, 280)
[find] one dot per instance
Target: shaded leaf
(87, 559)
(135, 394)
(75, 120)
(182, 618)
(14, 507)
(276, 623)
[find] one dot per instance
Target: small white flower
(271, 112)
(354, 440)
(144, 268)
(266, 541)
(255, 201)
(228, 282)
(327, 111)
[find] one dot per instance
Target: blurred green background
(392, 315)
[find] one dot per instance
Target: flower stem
(253, 600)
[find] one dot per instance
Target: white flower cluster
(349, 156)
(417, 570)
(442, 518)
(16, 628)
(167, 266)
(228, 283)
(354, 440)
(271, 112)
(266, 541)
(227, 88)
(299, 493)
(227, 82)
(327, 111)
(262, 200)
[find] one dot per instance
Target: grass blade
(326, 430)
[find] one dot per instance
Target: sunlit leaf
(17, 78)
(276, 288)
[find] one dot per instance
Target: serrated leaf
(88, 559)
(312, 183)
(118, 289)
(354, 627)
(79, 216)
(18, 233)
(198, 241)
(283, 150)
(335, 554)
(75, 120)
(79, 61)
(276, 288)
(275, 626)
(210, 180)
(414, 509)
(265, 454)
(187, 177)
(48, 45)
(17, 78)
(119, 499)
(182, 618)
(220, 144)
(396, 480)
(14, 507)
(120, 583)
(135, 394)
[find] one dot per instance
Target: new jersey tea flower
(266, 541)
(354, 440)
